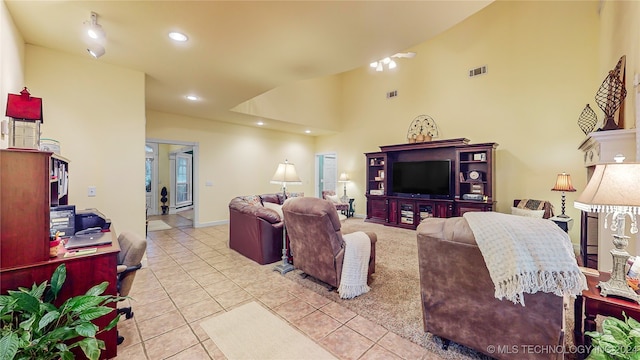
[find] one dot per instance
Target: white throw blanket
(526, 255)
(355, 266)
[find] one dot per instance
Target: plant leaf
(26, 302)
(57, 279)
(94, 313)
(112, 324)
(90, 348)
(82, 303)
(8, 346)
(86, 329)
(98, 289)
(47, 319)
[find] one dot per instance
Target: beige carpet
(253, 332)
(155, 225)
(394, 299)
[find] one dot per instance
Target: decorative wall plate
(422, 128)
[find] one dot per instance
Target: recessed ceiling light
(192, 97)
(307, 131)
(260, 123)
(174, 35)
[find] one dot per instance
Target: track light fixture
(389, 62)
(96, 35)
(94, 30)
(96, 50)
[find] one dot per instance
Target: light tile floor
(190, 275)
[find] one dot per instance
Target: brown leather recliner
(317, 245)
(458, 302)
(256, 231)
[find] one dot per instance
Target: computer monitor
(62, 220)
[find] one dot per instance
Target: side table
(351, 210)
(591, 303)
(565, 223)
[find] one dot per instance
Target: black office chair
(132, 248)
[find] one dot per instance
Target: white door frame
(196, 171)
(153, 203)
(318, 181)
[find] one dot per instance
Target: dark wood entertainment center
(407, 210)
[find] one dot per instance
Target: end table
(591, 303)
(565, 223)
(351, 210)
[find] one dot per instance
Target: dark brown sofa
(254, 230)
(458, 302)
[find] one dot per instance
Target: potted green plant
(619, 340)
(32, 327)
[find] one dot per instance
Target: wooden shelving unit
(398, 210)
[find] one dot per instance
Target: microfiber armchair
(458, 302)
(255, 231)
(317, 244)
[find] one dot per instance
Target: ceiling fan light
(392, 64)
(386, 60)
(379, 67)
(374, 64)
(96, 50)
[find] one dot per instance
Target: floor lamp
(344, 178)
(614, 189)
(285, 174)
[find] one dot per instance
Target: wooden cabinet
(409, 213)
(472, 172)
(377, 209)
(30, 182)
(24, 207)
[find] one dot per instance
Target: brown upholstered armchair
(458, 302)
(317, 245)
(331, 196)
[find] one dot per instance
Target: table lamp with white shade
(614, 190)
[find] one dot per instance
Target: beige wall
(541, 73)
(314, 102)
(96, 111)
(11, 63)
(237, 160)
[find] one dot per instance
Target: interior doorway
(173, 182)
(326, 173)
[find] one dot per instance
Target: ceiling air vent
(392, 94)
(478, 71)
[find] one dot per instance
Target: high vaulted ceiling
(237, 50)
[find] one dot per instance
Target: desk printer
(90, 218)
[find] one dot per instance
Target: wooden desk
(83, 272)
(591, 303)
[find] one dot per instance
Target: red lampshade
(24, 106)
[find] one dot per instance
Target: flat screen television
(428, 179)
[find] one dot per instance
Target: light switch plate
(91, 191)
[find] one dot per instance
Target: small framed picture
(480, 157)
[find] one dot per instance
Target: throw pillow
(527, 213)
(253, 200)
(277, 208)
(531, 204)
(334, 199)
